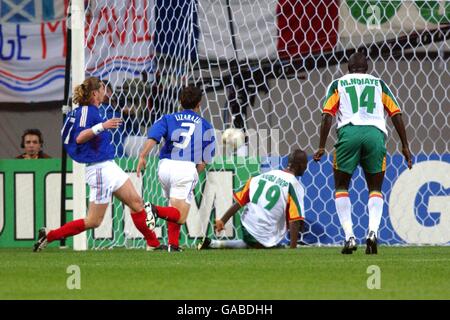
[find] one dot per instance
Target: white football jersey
(360, 99)
(273, 199)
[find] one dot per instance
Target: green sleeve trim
(388, 92)
(333, 87)
(293, 194)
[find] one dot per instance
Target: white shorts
(104, 178)
(178, 179)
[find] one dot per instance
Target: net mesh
(265, 66)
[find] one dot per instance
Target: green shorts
(248, 238)
(363, 145)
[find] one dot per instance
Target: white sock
(231, 244)
(375, 206)
(344, 211)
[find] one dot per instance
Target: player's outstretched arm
(294, 229)
(90, 133)
(325, 127)
(142, 163)
(400, 128)
(220, 223)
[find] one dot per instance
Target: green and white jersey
(273, 199)
(360, 99)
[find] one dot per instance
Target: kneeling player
(271, 199)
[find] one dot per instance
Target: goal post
(77, 22)
(264, 67)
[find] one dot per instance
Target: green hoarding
(30, 198)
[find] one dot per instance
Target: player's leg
(181, 196)
(183, 208)
(166, 176)
(248, 241)
(346, 158)
(169, 213)
(99, 198)
(208, 243)
(375, 204)
(123, 189)
(178, 179)
(129, 196)
(375, 208)
(175, 215)
(179, 205)
(228, 244)
(172, 212)
(344, 209)
(174, 228)
(94, 218)
(373, 161)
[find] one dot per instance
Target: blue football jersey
(188, 137)
(107, 112)
(97, 149)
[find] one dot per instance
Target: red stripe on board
(306, 27)
(10, 75)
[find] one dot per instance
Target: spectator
(32, 143)
(154, 105)
(131, 101)
(163, 97)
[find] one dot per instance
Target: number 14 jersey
(360, 99)
(273, 199)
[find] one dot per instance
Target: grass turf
(306, 273)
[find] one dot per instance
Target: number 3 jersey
(188, 137)
(360, 99)
(273, 199)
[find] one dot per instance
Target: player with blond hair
(87, 139)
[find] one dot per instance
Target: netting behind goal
(264, 66)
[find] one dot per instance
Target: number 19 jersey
(360, 99)
(273, 199)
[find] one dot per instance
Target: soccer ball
(233, 138)
(150, 219)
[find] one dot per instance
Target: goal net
(264, 67)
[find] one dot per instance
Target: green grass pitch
(306, 273)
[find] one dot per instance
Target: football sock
(168, 213)
(69, 229)
(139, 219)
(375, 207)
(231, 244)
(173, 232)
(344, 211)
